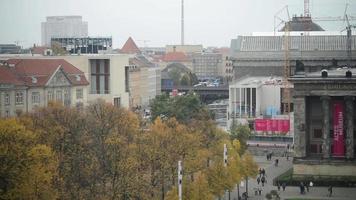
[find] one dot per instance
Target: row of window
(36, 98)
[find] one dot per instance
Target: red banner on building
(279, 125)
(338, 124)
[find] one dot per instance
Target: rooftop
(22, 72)
(130, 47)
(257, 81)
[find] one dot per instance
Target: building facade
(144, 81)
(207, 65)
(30, 83)
(63, 26)
(324, 112)
(108, 76)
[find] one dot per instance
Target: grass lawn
(342, 181)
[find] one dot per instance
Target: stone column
(325, 101)
(299, 127)
(349, 101)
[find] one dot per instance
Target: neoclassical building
(324, 120)
(29, 83)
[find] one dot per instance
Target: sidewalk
(290, 192)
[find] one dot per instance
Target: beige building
(108, 75)
(29, 83)
(187, 49)
(144, 81)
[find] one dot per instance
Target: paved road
(319, 193)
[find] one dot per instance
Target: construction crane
(349, 40)
(286, 71)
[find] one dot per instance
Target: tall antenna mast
(306, 8)
(182, 25)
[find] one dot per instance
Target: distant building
(187, 49)
(9, 49)
(144, 81)
(63, 27)
(144, 76)
(257, 96)
(83, 45)
(207, 65)
(29, 83)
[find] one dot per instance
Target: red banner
(338, 123)
(280, 125)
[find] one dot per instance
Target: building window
(117, 102)
(7, 99)
(59, 95)
(67, 97)
(100, 76)
(35, 98)
(79, 93)
(50, 95)
(19, 98)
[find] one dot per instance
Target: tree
(241, 133)
(26, 168)
(183, 108)
(58, 49)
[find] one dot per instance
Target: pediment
(58, 79)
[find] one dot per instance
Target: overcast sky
(207, 22)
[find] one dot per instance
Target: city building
(108, 76)
(144, 81)
(9, 49)
(325, 116)
(83, 45)
(225, 70)
(30, 83)
(144, 76)
(207, 65)
(252, 97)
(63, 27)
(187, 49)
(257, 100)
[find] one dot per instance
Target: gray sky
(207, 22)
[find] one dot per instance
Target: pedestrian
(267, 156)
(330, 189)
(263, 179)
(307, 186)
(284, 186)
(276, 162)
(287, 156)
(311, 184)
(260, 171)
(259, 191)
(263, 172)
(301, 187)
(278, 186)
(258, 180)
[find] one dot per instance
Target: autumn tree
(26, 168)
